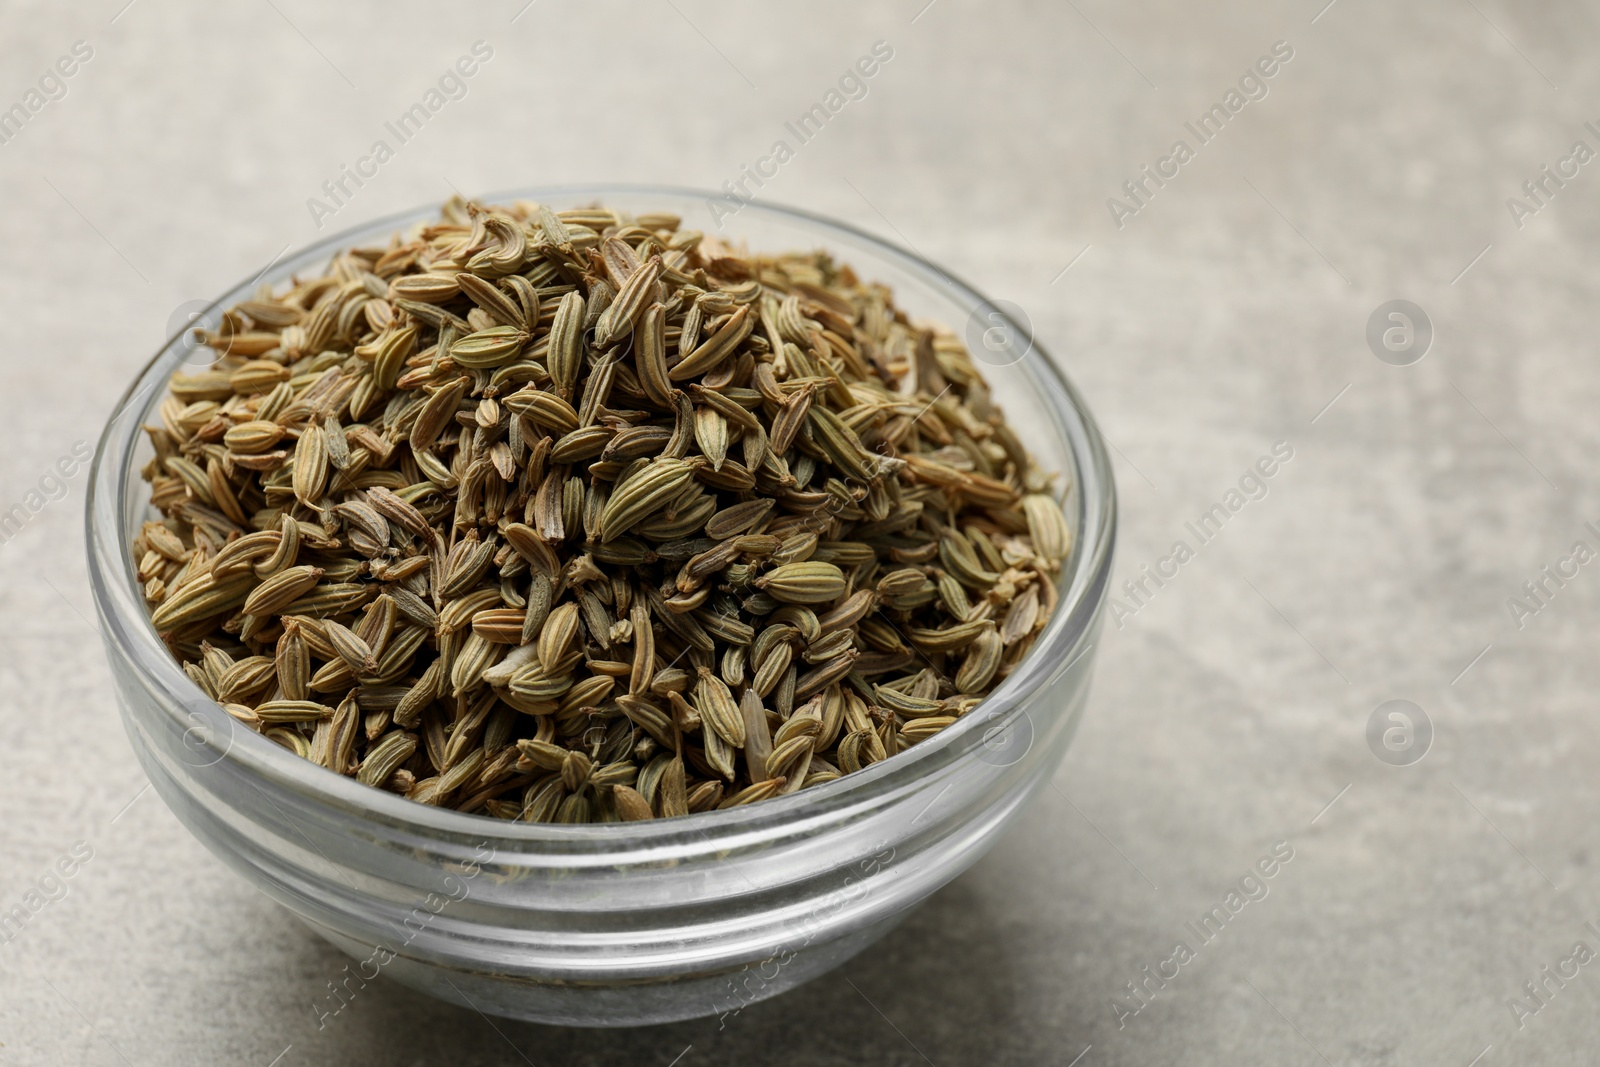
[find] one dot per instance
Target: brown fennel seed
(572, 516)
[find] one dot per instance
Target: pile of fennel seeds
(581, 517)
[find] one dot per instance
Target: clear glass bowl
(634, 923)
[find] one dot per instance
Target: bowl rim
(127, 628)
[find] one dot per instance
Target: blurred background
(1442, 864)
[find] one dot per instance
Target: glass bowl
(630, 923)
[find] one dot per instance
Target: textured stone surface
(1222, 318)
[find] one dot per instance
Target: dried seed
(716, 348)
(557, 635)
(500, 626)
(791, 417)
(310, 476)
(650, 355)
(1021, 617)
(293, 662)
(718, 709)
(631, 807)
(649, 490)
(249, 437)
(399, 511)
(672, 796)
(429, 525)
(437, 413)
(486, 349)
(644, 648)
(711, 434)
(428, 288)
(735, 520)
(1052, 538)
(282, 589)
(284, 711)
(245, 678)
(758, 739)
(544, 409)
(618, 319)
(566, 344)
(981, 661)
(804, 583)
(385, 757)
(946, 639)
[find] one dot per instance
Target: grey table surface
(1226, 314)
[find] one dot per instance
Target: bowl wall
(617, 924)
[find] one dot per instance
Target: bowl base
(640, 1002)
